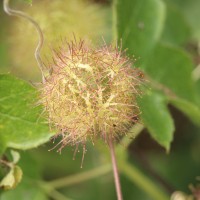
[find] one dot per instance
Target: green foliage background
(156, 158)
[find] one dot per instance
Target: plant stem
(115, 171)
(17, 13)
(6, 163)
(81, 177)
(142, 181)
(51, 192)
(58, 196)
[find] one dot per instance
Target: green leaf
(190, 9)
(172, 67)
(31, 176)
(25, 190)
(12, 179)
(14, 176)
(28, 187)
(21, 125)
(191, 110)
(15, 156)
(177, 29)
(139, 24)
(156, 118)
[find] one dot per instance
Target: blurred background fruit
(59, 20)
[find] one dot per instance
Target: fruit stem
(115, 170)
(79, 178)
(17, 13)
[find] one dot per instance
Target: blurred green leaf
(139, 24)
(21, 126)
(177, 29)
(156, 118)
(24, 191)
(173, 68)
(191, 110)
(190, 9)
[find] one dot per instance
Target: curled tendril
(17, 13)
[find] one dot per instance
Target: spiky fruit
(90, 93)
(58, 19)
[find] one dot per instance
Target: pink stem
(115, 171)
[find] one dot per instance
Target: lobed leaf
(191, 110)
(177, 30)
(139, 24)
(172, 67)
(156, 118)
(190, 10)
